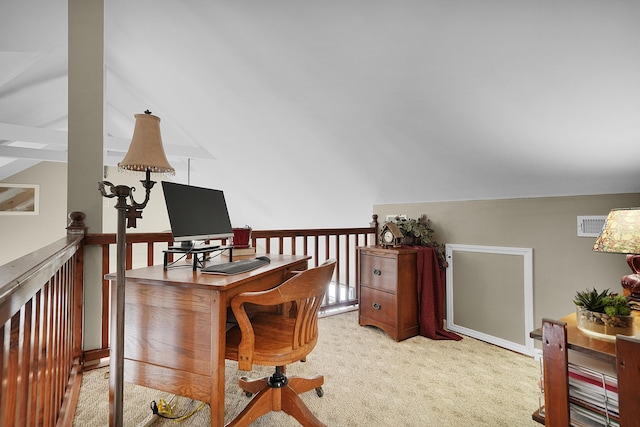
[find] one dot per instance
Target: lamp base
(631, 287)
(631, 282)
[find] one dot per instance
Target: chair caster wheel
(320, 392)
(248, 393)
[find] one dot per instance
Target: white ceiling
(290, 104)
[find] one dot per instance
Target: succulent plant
(616, 305)
(591, 300)
(606, 302)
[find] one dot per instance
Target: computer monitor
(196, 213)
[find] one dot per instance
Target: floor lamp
(145, 154)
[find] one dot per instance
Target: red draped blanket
(431, 292)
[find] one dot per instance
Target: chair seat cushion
(273, 341)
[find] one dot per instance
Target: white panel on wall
(484, 317)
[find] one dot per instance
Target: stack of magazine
(593, 397)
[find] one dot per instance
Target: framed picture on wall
(19, 199)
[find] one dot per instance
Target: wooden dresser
(388, 290)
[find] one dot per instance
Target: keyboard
(195, 249)
(236, 267)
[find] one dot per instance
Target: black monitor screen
(196, 213)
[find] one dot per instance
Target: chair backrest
(307, 291)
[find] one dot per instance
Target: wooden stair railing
(41, 335)
(41, 309)
(319, 244)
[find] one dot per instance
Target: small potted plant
(418, 232)
(603, 314)
(415, 231)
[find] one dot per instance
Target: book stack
(241, 253)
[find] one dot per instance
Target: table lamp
(621, 235)
(145, 154)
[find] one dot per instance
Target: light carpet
(370, 380)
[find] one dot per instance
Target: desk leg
(218, 342)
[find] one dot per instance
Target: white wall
(154, 216)
(22, 234)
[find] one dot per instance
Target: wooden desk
(175, 326)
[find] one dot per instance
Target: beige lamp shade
(621, 232)
(146, 150)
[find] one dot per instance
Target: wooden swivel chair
(273, 339)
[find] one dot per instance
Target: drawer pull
(377, 272)
(376, 306)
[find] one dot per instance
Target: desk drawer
(379, 272)
(379, 306)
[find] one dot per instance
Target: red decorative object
(241, 237)
(631, 282)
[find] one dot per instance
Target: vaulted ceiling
(346, 101)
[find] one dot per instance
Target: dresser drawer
(378, 305)
(379, 272)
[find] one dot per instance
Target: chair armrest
(247, 342)
(269, 297)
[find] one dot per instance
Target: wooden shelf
(537, 416)
(624, 354)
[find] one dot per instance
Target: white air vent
(590, 226)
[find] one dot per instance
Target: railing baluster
(338, 270)
(47, 356)
(326, 248)
(26, 325)
(55, 341)
(106, 256)
(316, 251)
(9, 416)
(36, 374)
(150, 254)
(129, 256)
